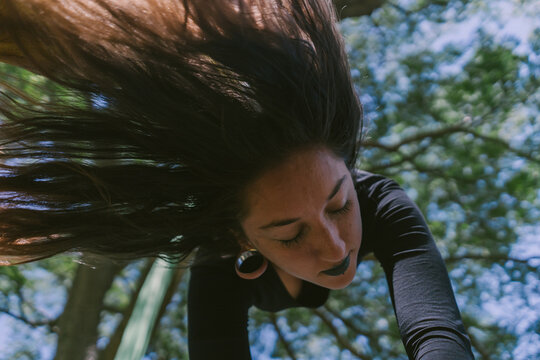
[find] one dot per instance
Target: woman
(230, 127)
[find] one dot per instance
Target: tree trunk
(77, 326)
(173, 288)
(114, 342)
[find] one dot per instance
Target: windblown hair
(170, 108)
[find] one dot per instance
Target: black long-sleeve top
(395, 231)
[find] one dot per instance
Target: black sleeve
(218, 303)
(394, 229)
(426, 311)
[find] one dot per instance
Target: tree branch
(114, 340)
(173, 287)
(24, 319)
(463, 127)
(431, 170)
(340, 339)
(503, 143)
(495, 258)
(281, 337)
(404, 158)
(356, 8)
(399, 8)
(372, 336)
(348, 323)
(417, 137)
(474, 342)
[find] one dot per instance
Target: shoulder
(379, 196)
(373, 185)
(380, 192)
(392, 221)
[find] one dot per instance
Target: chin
(341, 281)
(340, 285)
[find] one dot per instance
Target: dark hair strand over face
(162, 123)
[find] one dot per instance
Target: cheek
(354, 225)
(280, 254)
(358, 227)
(292, 259)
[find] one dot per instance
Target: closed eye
(294, 240)
(345, 209)
(341, 211)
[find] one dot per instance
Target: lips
(340, 268)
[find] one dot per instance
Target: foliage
(451, 102)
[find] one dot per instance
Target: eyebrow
(277, 223)
(284, 222)
(336, 188)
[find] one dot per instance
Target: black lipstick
(339, 269)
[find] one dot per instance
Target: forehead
(303, 180)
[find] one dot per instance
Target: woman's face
(303, 216)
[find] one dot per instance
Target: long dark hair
(162, 122)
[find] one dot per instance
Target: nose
(331, 247)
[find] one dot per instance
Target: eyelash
(291, 242)
(345, 209)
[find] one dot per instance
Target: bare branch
(404, 158)
(114, 341)
(23, 304)
(399, 8)
(437, 172)
(24, 319)
(340, 339)
(417, 137)
(173, 287)
(496, 258)
(474, 342)
(504, 144)
(281, 337)
(371, 335)
(356, 8)
(463, 127)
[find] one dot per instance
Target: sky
(514, 311)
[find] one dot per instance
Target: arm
(422, 296)
(218, 303)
